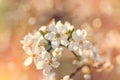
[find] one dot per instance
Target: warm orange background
(18, 17)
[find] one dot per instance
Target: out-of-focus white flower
(57, 53)
(32, 46)
(52, 76)
(57, 34)
(32, 21)
(67, 77)
(87, 76)
(46, 63)
(108, 66)
(79, 40)
(79, 35)
(85, 70)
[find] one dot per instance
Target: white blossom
(79, 41)
(47, 63)
(108, 66)
(57, 53)
(67, 77)
(57, 35)
(32, 46)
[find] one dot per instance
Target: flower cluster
(44, 47)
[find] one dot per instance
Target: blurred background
(101, 18)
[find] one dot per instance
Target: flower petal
(42, 28)
(76, 35)
(55, 44)
(27, 50)
(45, 55)
(83, 34)
(52, 27)
(68, 26)
(27, 39)
(50, 36)
(39, 65)
(28, 61)
(58, 26)
(55, 64)
(73, 46)
(35, 46)
(64, 41)
(47, 69)
(37, 35)
(63, 29)
(80, 52)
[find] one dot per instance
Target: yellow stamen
(57, 35)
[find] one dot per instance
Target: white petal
(27, 39)
(84, 33)
(40, 65)
(47, 69)
(37, 35)
(35, 46)
(42, 40)
(37, 58)
(55, 44)
(87, 44)
(73, 46)
(45, 55)
(78, 32)
(52, 27)
(68, 26)
(28, 61)
(67, 77)
(27, 50)
(80, 53)
(64, 41)
(56, 64)
(42, 48)
(70, 47)
(75, 35)
(42, 28)
(62, 29)
(79, 35)
(50, 36)
(58, 26)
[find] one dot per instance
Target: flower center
(80, 42)
(57, 35)
(49, 62)
(33, 55)
(41, 44)
(57, 52)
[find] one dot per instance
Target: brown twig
(75, 72)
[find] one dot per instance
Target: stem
(79, 68)
(74, 73)
(75, 54)
(49, 49)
